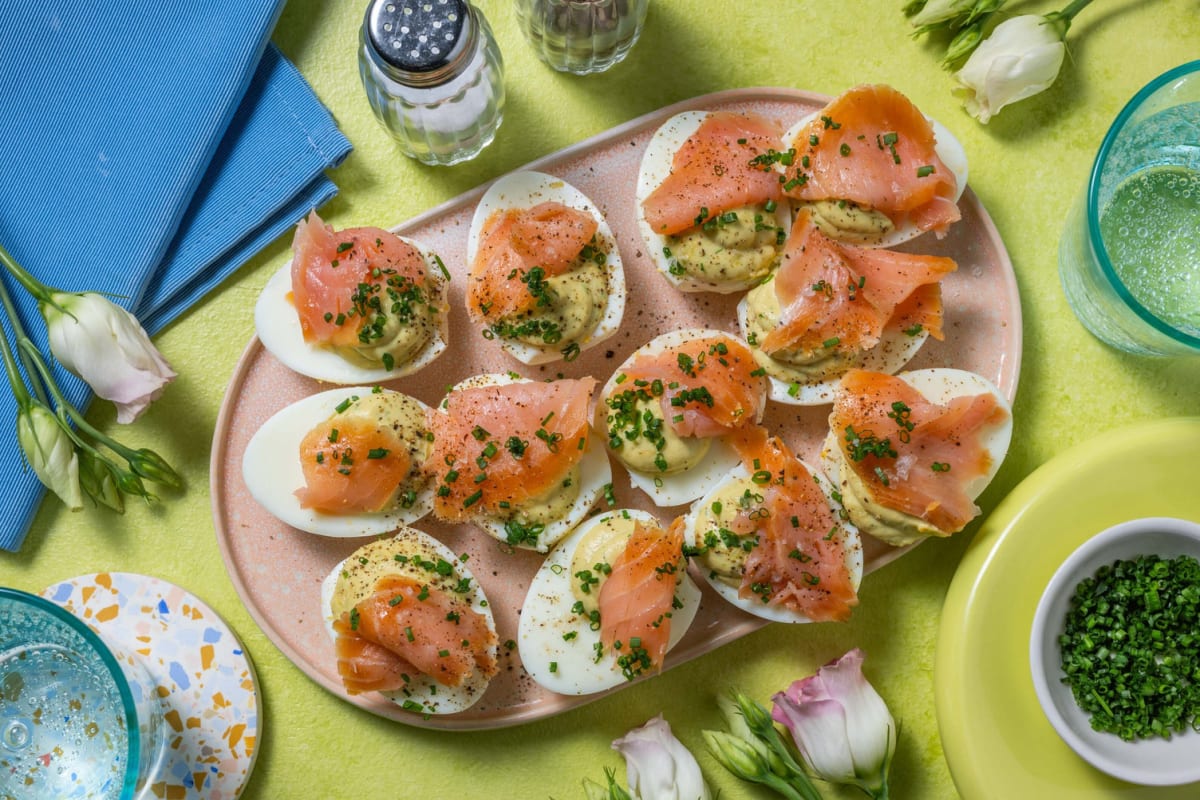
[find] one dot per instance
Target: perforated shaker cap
(420, 39)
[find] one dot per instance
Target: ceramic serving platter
(278, 570)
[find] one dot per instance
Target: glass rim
(1093, 197)
(134, 756)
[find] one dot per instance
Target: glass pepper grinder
(433, 75)
(581, 36)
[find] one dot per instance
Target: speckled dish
(199, 670)
(278, 570)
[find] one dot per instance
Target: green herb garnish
(1131, 648)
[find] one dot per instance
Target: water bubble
(16, 734)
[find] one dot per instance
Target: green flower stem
(127, 481)
(773, 781)
(1071, 10)
(1060, 21)
(144, 463)
(39, 290)
(19, 388)
(64, 404)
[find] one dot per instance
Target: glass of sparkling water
(581, 36)
(1129, 258)
(71, 725)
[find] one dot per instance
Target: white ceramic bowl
(1153, 762)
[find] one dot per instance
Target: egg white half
(948, 149)
(520, 190)
(851, 543)
(595, 474)
(895, 349)
(569, 666)
(941, 385)
(272, 472)
(433, 697)
(278, 327)
(680, 487)
(654, 169)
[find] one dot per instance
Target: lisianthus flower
(658, 766)
(1020, 58)
(840, 725)
(106, 346)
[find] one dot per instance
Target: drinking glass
(581, 36)
(1129, 258)
(76, 719)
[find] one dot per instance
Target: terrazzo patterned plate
(200, 671)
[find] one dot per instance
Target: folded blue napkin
(149, 149)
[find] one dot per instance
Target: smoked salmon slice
(710, 385)
(422, 627)
(351, 466)
(638, 597)
(799, 561)
(336, 273)
(914, 456)
(873, 147)
(513, 243)
(496, 446)
(837, 295)
(365, 666)
(725, 164)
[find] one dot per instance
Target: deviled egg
(669, 410)
(775, 544)
(545, 275)
(344, 462)
(361, 305)
(832, 306)
(566, 644)
(873, 170)
(910, 453)
(410, 621)
(710, 206)
(517, 458)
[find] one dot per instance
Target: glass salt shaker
(433, 75)
(581, 36)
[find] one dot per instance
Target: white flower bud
(51, 453)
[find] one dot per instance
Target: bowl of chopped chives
(1114, 651)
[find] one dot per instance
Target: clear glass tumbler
(1129, 258)
(77, 719)
(582, 36)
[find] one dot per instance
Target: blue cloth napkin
(149, 149)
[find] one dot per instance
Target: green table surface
(1027, 167)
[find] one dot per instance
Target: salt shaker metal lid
(421, 42)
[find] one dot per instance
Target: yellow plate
(997, 741)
